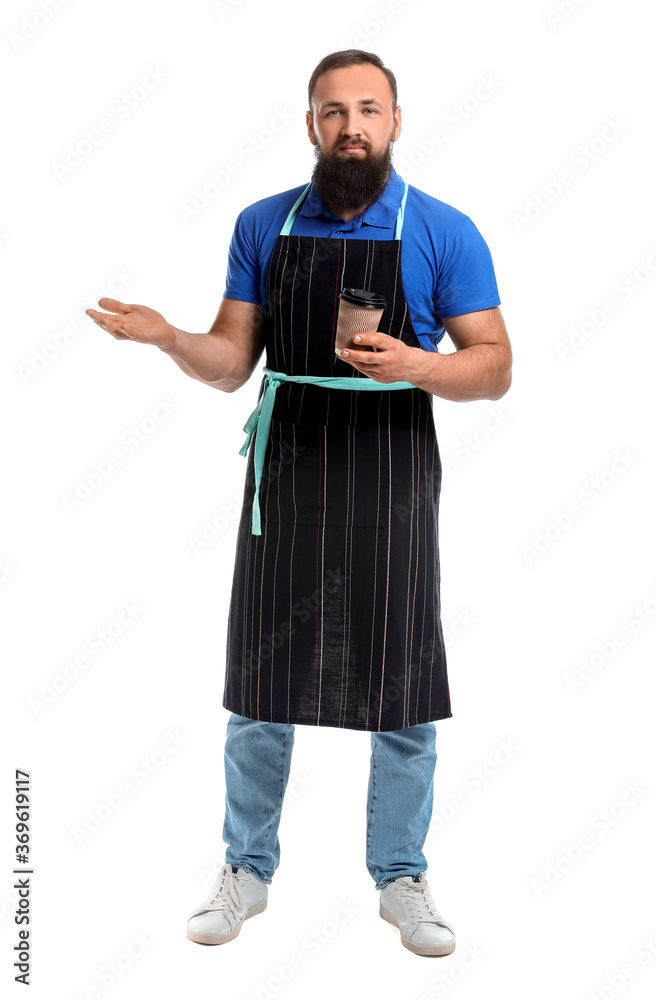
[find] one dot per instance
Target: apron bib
(334, 615)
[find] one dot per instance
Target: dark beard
(351, 183)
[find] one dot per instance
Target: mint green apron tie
(260, 418)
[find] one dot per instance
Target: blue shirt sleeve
(243, 273)
(466, 281)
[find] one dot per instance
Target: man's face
(353, 115)
(352, 126)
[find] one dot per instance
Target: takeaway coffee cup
(359, 312)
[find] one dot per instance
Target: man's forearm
(478, 372)
(206, 357)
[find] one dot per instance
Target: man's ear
(397, 115)
(309, 121)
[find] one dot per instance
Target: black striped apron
(334, 615)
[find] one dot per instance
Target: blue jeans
(258, 756)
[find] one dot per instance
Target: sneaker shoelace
(225, 895)
(420, 903)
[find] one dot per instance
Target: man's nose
(350, 125)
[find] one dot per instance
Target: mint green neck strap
(260, 418)
(289, 221)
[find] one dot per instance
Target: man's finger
(99, 317)
(362, 357)
(114, 305)
(375, 337)
(374, 340)
(113, 324)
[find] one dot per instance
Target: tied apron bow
(260, 419)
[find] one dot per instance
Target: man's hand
(479, 368)
(133, 322)
(390, 361)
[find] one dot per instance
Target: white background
(540, 598)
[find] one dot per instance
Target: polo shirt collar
(381, 213)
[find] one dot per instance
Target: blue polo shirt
(446, 264)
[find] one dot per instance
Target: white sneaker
(235, 897)
(410, 907)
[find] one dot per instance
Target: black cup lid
(361, 297)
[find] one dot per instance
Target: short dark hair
(350, 57)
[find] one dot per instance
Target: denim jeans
(258, 756)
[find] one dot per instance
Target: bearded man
(334, 617)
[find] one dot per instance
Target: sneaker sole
(222, 938)
(419, 949)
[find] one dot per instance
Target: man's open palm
(133, 322)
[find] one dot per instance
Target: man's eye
(336, 111)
